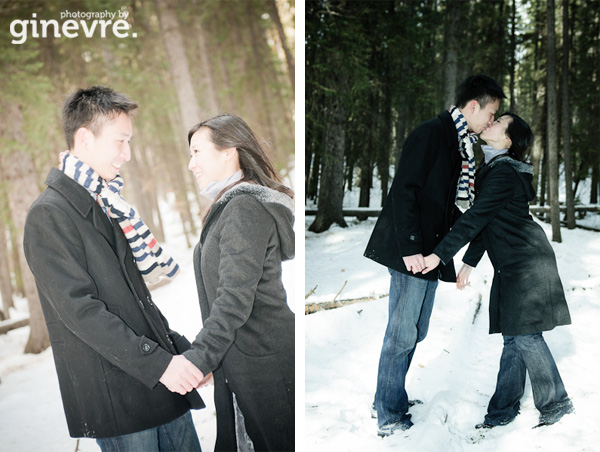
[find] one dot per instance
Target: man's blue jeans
(410, 306)
(176, 436)
(520, 353)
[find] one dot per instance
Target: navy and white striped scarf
(465, 191)
(150, 258)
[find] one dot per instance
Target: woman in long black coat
(527, 296)
(247, 336)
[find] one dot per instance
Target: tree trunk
(207, 68)
(566, 119)
(403, 104)
(383, 164)
(182, 80)
(289, 58)
(537, 150)
(331, 192)
(454, 23)
(6, 291)
(313, 186)
(19, 172)
(366, 180)
(513, 45)
(552, 123)
(189, 110)
(140, 188)
(594, 185)
(5, 284)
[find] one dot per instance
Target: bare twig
(338, 294)
(312, 291)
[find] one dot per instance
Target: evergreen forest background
(190, 61)
(377, 69)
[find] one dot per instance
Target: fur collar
(259, 192)
(521, 167)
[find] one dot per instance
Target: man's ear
(474, 106)
(83, 138)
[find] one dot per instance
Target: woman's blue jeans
(527, 353)
(410, 306)
(176, 436)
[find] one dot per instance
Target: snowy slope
(454, 369)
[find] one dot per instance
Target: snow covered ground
(31, 414)
(454, 369)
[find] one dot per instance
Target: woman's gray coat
(248, 328)
(527, 295)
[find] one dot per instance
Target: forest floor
(454, 369)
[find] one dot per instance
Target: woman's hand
(462, 279)
(207, 381)
(431, 262)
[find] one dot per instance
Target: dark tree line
(375, 70)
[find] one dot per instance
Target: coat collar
(81, 201)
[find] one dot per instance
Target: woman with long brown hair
(247, 338)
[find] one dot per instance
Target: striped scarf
(465, 191)
(150, 258)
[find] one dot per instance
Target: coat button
(146, 347)
(412, 237)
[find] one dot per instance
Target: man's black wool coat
(420, 207)
(110, 342)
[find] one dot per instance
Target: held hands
(431, 262)
(207, 381)
(414, 263)
(182, 376)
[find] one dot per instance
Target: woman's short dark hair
(482, 88)
(229, 131)
(520, 136)
(90, 108)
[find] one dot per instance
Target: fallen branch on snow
(316, 307)
(13, 325)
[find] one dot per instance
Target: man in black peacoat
(419, 210)
(111, 344)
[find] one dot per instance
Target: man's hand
(431, 262)
(462, 279)
(414, 263)
(181, 375)
(207, 381)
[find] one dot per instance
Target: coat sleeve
(415, 165)
(56, 255)
(475, 251)
(244, 238)
(497, 190)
